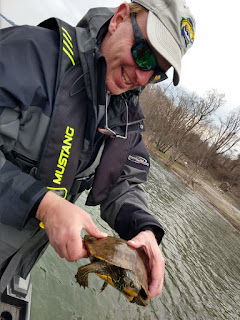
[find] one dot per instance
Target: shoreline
(211, 195)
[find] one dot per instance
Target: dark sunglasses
(143, 55)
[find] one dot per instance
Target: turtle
(118, 264)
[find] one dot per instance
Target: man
(70, 121)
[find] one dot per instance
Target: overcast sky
(213, 61)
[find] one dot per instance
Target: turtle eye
(131, 284)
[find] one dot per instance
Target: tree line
(182, 125)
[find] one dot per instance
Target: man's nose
(142, 76)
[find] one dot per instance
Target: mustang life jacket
(64, 143)
(65, 154)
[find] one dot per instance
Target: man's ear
(122, 13)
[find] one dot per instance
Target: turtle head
(131, 284)
(133, 290)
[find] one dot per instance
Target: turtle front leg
(82, 274)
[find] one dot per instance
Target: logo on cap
(187, 31)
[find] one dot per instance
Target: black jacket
(27, 97)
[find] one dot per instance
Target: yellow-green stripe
(67, 33)
(68, 40)
(68, 54)
(69, 49)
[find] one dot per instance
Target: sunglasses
(143, 55)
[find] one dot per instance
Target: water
(202, 277)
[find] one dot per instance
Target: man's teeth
(126, 78)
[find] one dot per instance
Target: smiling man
(70, 121)
(126, 48)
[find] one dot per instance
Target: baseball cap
(170, 30)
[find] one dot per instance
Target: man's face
(123, 74)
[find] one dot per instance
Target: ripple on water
(202, 266)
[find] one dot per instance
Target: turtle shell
(117, 252)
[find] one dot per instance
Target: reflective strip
(70, 57)
(67, 33)
(68, 40)
(68, 43)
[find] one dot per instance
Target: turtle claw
(82, 280)
(103, 286)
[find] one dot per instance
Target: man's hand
(63, 222)
(147, 241)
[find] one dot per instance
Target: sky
(212, 63)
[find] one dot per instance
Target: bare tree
(156, 107)
(227, 135)
(170, 118)
(182, 121)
